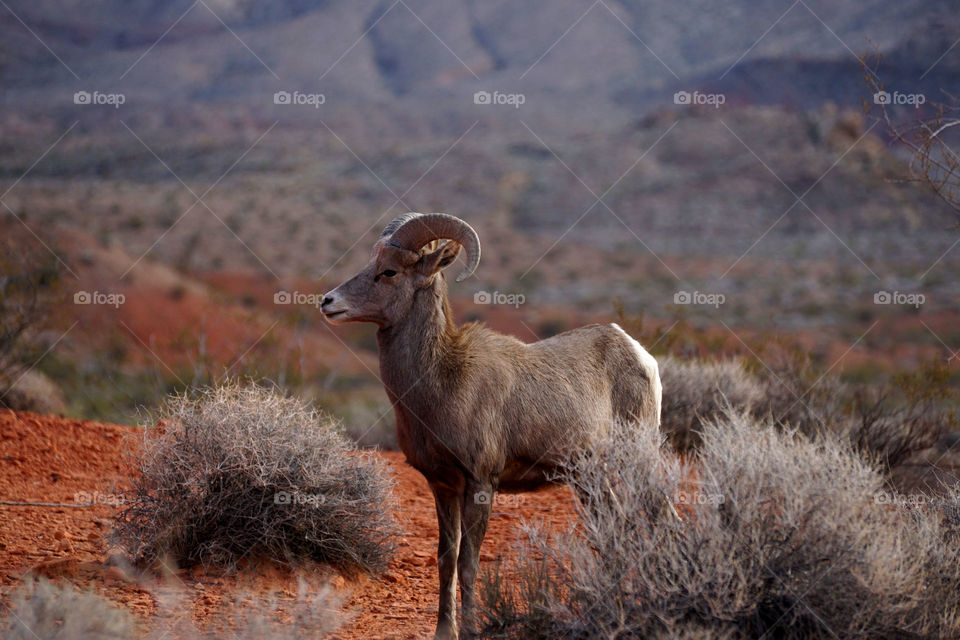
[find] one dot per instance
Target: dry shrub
(518, 599)
(29, 275)
(41, 610)
(313, 613)
(799, 394)
(240, 471)
(696, 392)
(768, 534)
(890, 424)
(312, 616)
(913, 412)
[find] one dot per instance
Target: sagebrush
(42, 610)
(312, 613)
(889, 424)
(241, 471)
(695, 392)
(767, 533)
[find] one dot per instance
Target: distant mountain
(416, 105)
(618, 57)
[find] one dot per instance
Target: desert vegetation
(766, 532)
(28, 287)
(242, 471)
(930, 138)
(891, 424)
(44, 610)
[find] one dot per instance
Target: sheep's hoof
(446, 633)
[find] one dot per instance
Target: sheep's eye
(387, 273)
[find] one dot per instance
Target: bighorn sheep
(477, 411)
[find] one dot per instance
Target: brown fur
(479, 412)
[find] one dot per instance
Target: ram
(476, 411)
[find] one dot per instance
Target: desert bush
(28, 278)
(518, 600)
(41, 610)
(239, 471)
(799, 394)
(788, 390)
(313, 613)
(767, 534)
(34, 391)
(696, 392)
(912, 412)
(889, 423)
(895, 422)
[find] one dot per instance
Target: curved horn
(398, 222)
(417, 230)
(388, 231)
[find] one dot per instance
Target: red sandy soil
(50, 459)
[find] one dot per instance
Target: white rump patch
(649, 364)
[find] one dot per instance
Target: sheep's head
(410, 254)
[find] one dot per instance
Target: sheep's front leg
(448, 520)
(477, 504)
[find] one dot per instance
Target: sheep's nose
(326, 300)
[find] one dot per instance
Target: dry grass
(312, 616)
(242, 471)
(41, 610)
(768, 532)
(313, 613)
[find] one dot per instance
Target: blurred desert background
(197, 197)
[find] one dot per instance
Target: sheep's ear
(443, 257)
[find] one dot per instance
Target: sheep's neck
(412, 350)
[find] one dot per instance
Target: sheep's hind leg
(477, 500)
